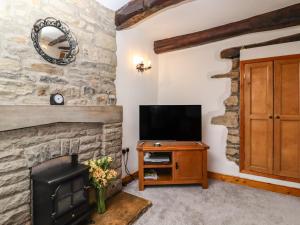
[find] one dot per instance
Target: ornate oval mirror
(54, 41)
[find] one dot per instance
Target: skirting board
(237, 180)
(255, 184)
(129, 178)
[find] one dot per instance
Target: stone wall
(24, 148)
(26, 78)
(232, 113)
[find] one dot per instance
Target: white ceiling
(196, 15)
(113, 4)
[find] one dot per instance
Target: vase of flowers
(101, 175)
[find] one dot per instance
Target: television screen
(170, 122)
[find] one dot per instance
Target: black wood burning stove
(60, 192)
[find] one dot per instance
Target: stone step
(231, 74)
(232, 101)
(229, 119)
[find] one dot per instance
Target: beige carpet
(122, 209)
(221, 204)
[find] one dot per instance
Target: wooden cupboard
(188, 165)
(287, 117)
(270, 117)
(259, 116)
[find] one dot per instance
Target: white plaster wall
(290, 48)
(184, 78)
(134, 88)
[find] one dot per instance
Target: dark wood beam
(285, 17)
(64, 48)
(58, 40)
(137, 10)
(232, 53)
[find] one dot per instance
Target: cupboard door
(188, 165)
(258, 117)
(287, 118)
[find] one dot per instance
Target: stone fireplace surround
(33, 134)
(26, 147)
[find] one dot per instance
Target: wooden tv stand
(188, 163)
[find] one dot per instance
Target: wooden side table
(188, 163)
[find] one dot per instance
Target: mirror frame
(50, 21)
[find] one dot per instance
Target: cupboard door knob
(270, 117)
(176, 165)
(277, 117)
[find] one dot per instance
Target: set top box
(170, 122)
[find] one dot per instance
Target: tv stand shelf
(153, 166)
(188, 163)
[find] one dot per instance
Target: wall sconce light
(140, 65)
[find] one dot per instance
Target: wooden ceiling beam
(58, 40)
(136, 10)
(234, 52)
(282, 18)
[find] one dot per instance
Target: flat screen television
(170, 122)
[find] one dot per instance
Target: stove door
(75, 216)
(79, 191)
(69, 195)
(63, 199)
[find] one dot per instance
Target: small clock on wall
(57, 99)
